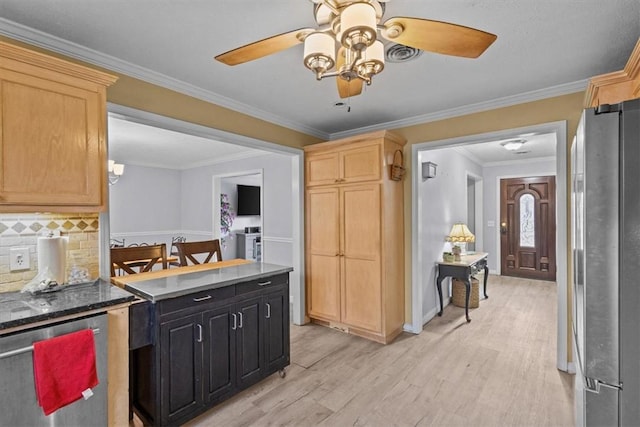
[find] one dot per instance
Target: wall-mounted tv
(248, 200)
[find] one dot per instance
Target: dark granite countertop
(188, 283)
(21, 309)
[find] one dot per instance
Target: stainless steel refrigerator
(605, 158)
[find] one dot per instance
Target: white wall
(491, 193)
(444, 202)
(153, 204)
(277, 231)
(144, 205)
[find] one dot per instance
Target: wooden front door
(528, 227)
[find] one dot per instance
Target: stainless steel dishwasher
(18, 402)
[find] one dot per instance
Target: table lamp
(459, 234)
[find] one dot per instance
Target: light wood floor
(498, 370)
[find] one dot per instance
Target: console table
(463, 270)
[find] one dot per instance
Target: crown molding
(466, 153)
(55, 44)
(204, 163)
(507, 101)
(518, 162)
(225, 159)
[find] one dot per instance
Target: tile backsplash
(22, 230)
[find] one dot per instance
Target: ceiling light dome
(513, 144)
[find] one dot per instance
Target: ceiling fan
(354, 25)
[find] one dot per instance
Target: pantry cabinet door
(323, 253)
(361, 278)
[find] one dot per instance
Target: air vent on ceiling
(401, 53)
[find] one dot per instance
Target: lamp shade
(460, 233)
(358, 26)
(319, 52)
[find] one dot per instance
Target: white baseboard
(431, 314)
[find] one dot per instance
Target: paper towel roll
(52, 254)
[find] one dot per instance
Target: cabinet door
(323, 253)
(250, 341)
(361, 236)
(276, 329)
(219, 353)
(180, 367)
(52, 148)
(322, 169)
(361, 164)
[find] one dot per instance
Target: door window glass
(527, 221)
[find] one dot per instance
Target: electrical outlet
(19, 259)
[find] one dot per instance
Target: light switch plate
(19, 259)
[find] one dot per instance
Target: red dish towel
(63, 368)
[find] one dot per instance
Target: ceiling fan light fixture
(358, 24)
(319, 53)
(373, 61)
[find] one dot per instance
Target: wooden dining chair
(141, 257)
(187, 250)
(174, 250)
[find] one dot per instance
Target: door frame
(478, 182)
(417, 278)
(216, 189)
(296, 288)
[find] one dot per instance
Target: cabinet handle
(264, 283)
(268, 311)
(199, 326)
(202, 298)
(240, 323)
(235, 319)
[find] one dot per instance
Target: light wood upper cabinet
(358, 164)
(52, 134)
(322, 169)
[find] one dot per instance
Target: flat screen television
(248, 200)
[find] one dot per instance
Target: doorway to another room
(239, 216)
(448, 198)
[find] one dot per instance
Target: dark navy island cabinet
(203, 348)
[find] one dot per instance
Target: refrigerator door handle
(593, 385)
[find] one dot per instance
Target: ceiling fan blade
(437, 36)
(349, 88)
(264, 47)
(346, 88)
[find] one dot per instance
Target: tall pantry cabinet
(354, 234)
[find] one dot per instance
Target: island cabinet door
(180, 368)
(276, 305)
(250, 341)
(219, 355)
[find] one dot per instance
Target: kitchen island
(202, 333)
